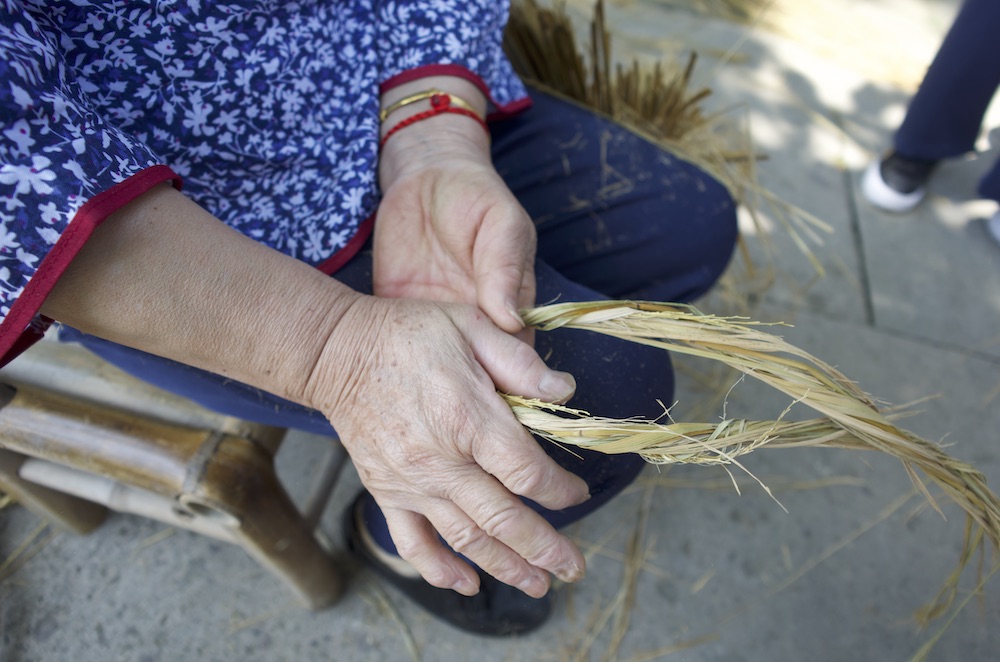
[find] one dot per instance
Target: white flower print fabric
(267, 110)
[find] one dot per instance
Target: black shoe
(897, 183)
(497, 610)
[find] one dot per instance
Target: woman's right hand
(410, 386)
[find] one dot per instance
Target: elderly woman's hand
(439, 450)
(448, 228)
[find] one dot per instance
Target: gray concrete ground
(910, 307)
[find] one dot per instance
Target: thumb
(504, 274)
(521, 465)
(515, 367)
(497, 288)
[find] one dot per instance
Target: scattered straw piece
(702, 581)
(670, 649)
(384, 605)
(636, 553)
(827, 553)
(154, 539)
(237, 625)
(25, 551)
(925, 650)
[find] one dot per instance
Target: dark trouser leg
(945, 115)
(615, 213)
(989, 185)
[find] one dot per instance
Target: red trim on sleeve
(335, 262)
(23, 326)
(502, 111)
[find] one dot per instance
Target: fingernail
(465, 586)
(512, 309)
(534, 586)
(570, 572)
(557, 386)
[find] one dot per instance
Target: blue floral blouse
(266, 109)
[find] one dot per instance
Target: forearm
(164, 276)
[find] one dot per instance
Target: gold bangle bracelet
(420, 96)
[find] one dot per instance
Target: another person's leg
(989, 189)
(944, 117)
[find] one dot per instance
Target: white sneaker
(993, 227)
(896, 183)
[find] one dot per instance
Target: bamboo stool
(78, 436)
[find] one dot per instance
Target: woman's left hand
(448, 228)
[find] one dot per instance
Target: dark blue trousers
(946, 114)
(617, 218)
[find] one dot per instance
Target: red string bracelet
(440, 103)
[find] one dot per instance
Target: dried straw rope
(850, 419)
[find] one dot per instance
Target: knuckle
(547, 556)
(501, 523)
(508, 572)
(524, 354)
(467, 541)
(410, 549)
(524, 480)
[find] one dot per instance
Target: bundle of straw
(850, 419)
(658, 103)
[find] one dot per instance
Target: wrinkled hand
(439, 450)
(449, 229)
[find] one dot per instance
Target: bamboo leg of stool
(238, 484)
(70, 512)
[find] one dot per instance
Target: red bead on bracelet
(440, 103)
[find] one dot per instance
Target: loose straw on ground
(850, 418)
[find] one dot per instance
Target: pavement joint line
(854, 214)
(935, 343)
